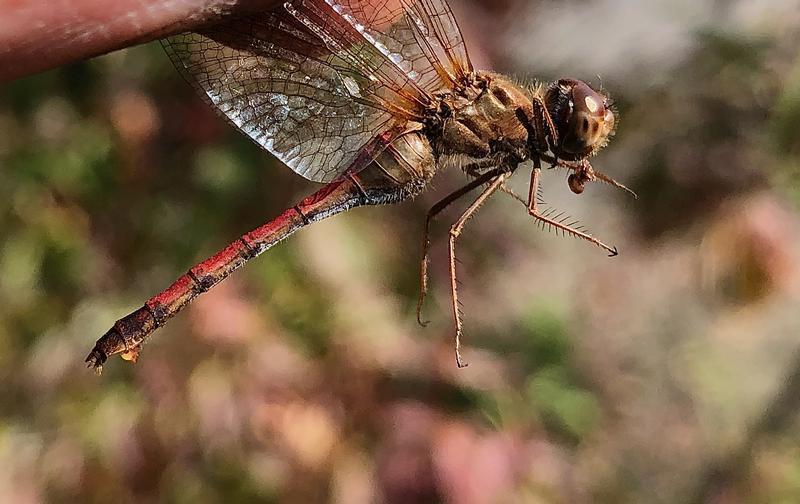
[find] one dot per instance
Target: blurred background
(668, 374)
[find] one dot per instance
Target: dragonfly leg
(582, 172)
(455, 232)
(559, 222)
(426, 242)
(474, 169)
(545, 128)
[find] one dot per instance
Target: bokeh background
(668, 374)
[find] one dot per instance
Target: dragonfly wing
(279, 84)
(314, 83)
(442, 34)
(361, 58)
(419, 37)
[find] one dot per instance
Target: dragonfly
(372, 98)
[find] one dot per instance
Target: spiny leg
(533, 187)
(455, 231)
(544, 126)
(432, 213)
(510, 192)
(533, 210)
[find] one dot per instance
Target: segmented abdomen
(409, 158)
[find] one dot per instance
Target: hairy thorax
(480, 127)
(485, 123)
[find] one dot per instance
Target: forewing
(359, 56)
(280, 85)
(317, 82)
(442, 30)
(421, 37)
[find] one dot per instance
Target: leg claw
(96, 359)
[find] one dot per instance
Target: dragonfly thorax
(485, 122)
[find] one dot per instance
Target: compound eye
(588, 101)
(592, 105)
(590, 123)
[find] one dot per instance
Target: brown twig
(37, 36)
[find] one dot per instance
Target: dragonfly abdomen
(397, 172)
(408, 162)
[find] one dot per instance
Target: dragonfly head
(584, 121)
(582, 116)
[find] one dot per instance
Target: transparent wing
(360, 59)
(315, 83)
(421, 37)
(443, 31)
(279, 84)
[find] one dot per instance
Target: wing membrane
(443, 31)
(361, 56)
(421, 37)
(280, 85)
(317, 82)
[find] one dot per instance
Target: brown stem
(39, 35)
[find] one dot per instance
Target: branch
(39, 35)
